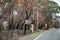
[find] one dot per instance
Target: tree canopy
(48, 10)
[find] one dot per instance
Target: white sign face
(15, 12)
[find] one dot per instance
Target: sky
(58, 1)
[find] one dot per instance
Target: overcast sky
(58, 1)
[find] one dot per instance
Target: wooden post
(45, 26)
(32, 27)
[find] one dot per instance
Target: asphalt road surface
(53, 34)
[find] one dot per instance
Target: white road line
(39, 36)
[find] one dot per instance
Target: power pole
(37, 18)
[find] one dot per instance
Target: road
(31, 36)
(53, 34)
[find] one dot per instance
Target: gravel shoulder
(31, 36)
